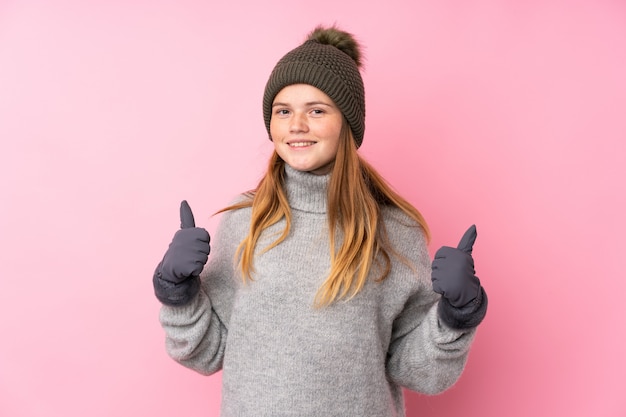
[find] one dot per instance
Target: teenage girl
(319, 297)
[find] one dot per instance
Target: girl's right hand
(188, 252)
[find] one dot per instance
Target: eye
(281, 112)
(317, 112)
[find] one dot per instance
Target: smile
(301, 144)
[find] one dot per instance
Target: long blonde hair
(356, 193)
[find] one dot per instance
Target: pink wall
(507, 114)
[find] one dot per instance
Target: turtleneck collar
(306, 191)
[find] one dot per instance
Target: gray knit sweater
(280, 356)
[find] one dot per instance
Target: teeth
(300, 144)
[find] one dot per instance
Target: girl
(319, 297)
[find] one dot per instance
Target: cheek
(274, 129)
(277, 129)
(332, 132)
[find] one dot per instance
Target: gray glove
(453, 272)
(176, 279)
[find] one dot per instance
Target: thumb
(186, 216)
(467, 241)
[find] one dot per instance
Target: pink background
(507, 114)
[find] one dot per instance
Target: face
(305, 128)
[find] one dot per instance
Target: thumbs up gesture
(453, 271)
(188, 252)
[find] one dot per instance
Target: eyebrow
(310, 103)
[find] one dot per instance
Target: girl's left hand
(453, 272)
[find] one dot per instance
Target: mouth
(300, 143)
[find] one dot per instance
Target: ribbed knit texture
(282, 357)
(327, 68)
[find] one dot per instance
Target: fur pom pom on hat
(329, 60)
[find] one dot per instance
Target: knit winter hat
(330, 60)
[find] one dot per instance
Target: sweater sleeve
(195, 336)
(196, 333)
(425, 354)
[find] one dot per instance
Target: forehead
(302, 93)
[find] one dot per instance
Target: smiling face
(305, 127)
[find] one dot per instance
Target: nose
(298, 123)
